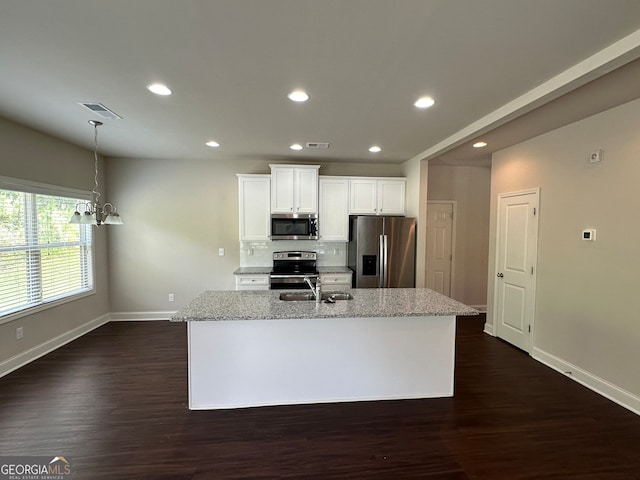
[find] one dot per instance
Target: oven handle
(293, 275)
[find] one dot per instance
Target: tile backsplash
(259, 254)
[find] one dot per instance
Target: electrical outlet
(19, 333)
(172, 297)
(221, 252)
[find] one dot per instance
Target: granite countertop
(336, 269)
(253, 270)
(367, 302)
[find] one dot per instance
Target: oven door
(290, 281)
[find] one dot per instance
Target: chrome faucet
(317, 293)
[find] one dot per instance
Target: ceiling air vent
(101, 110)
(317, 145)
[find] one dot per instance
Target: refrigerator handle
(384, 261)
(381, 264)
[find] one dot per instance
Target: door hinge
(529, 328)
(534, 210)
(531, 270)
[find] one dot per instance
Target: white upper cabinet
(253, 199)
(334, 209)
(294, 188)
(363, 196)
(305, 198)
(391, 196)
(377, 196)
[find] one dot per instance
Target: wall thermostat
(589, 235)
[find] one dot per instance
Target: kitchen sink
(296, 297)
(308, 296)
(337, 296)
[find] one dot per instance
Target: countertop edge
(368, 303)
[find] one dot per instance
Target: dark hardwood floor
(114, 402)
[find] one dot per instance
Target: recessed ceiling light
(480, 144)
(159, 89)
(212, 144)
(424, 102)
(296, 146)
(375, 149)
(298, 96)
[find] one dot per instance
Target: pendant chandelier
(94, 212)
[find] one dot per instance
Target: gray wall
(470, 187)
(585, 311)
(30, 155)
(417, 173)
(178, 213)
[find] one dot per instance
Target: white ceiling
(231, 63)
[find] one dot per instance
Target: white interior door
(440, 238)
(516, 267)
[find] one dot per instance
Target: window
(43, 258)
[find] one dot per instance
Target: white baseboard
(140, 316)
(589, 380)
(488, 329)
(20, 360)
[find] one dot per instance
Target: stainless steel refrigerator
(382, 251)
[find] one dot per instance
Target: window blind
(43, 258)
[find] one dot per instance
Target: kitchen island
(249, 348)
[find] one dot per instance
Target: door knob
(500, 275)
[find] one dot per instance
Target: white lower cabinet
(338, 282)
(252, 282)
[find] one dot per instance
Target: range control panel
(294, 255)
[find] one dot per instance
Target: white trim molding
(606, 389)
(28, 356)
(600, 63)
(140, 316)
(488, 329)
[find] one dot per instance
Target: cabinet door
(252, 282)
(391, 197)
(334, 209)
(306, 190)
(363, 196)
(255, 215)
(336, 282)
(282, 179)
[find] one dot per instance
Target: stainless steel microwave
(294, 226)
